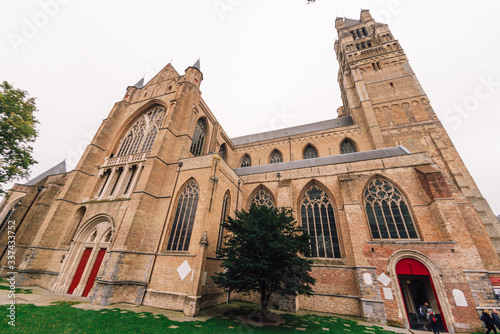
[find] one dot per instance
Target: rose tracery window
(198, 137)
(310, 152)
(276, 157)
(180, 235)
(318, 220)
(387, 211)
(347, 146)
(141, 136)
(263, 197)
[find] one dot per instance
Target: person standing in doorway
(423, 313)
(488, 322)
(431, 318)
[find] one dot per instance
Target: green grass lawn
(62, 318)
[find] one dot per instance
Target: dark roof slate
(57, 169)
(294, 130)
(324, 161)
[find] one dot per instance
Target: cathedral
(394, 217)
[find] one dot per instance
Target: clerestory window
(276, 157)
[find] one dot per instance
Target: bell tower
(382, 94)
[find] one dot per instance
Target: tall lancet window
(223, 215)
(198, 137)
(318, 220)
(263, 197)
(9, 214)
(387, 211)
(142, 134)
(180, 235)
(347, 146)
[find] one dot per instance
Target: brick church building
(394, 216)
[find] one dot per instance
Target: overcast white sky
(266, 64)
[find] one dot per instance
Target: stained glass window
(180, 235)
(310, 152)
(246, 161)
(318, 220)
(388, 212)
(198, 137)
(263, 197)
(276, 157)
(142, 134)
(347, 146)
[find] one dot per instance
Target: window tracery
(310, 152)
(347, 146)
(141, 136)
(318, 220)
(387, 211)
(263, 197)
(198, 137)
(180, 235)
(246, 161)
(276, 157)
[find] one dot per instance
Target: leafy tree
(264, 253)
(17, 131)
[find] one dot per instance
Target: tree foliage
(265, 252)
(17, 131)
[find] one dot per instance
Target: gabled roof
(57, 169)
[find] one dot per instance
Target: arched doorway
(86, 256)
(417, 288)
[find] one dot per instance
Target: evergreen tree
(265, 252)
(17, 131)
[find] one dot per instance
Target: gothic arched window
(198, 137)
(180, 235)
(9, 215)
(223, 215)
(347, 146)
(223, 152)
(310, 152)
(276, 157)
(318, 220)
(387, 211)
(142, 134)
(263, 197)
(246, 161)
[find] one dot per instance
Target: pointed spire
(139, 84)
(197, 65)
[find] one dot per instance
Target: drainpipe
(150, 273)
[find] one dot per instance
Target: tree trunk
(264, 300)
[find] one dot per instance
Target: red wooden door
(94, 272)
(79, 270)
(414, 267)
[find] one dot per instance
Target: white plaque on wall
(459, 298)
(384, 279)
(388, 293)
(367, 278)
(183, 269)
